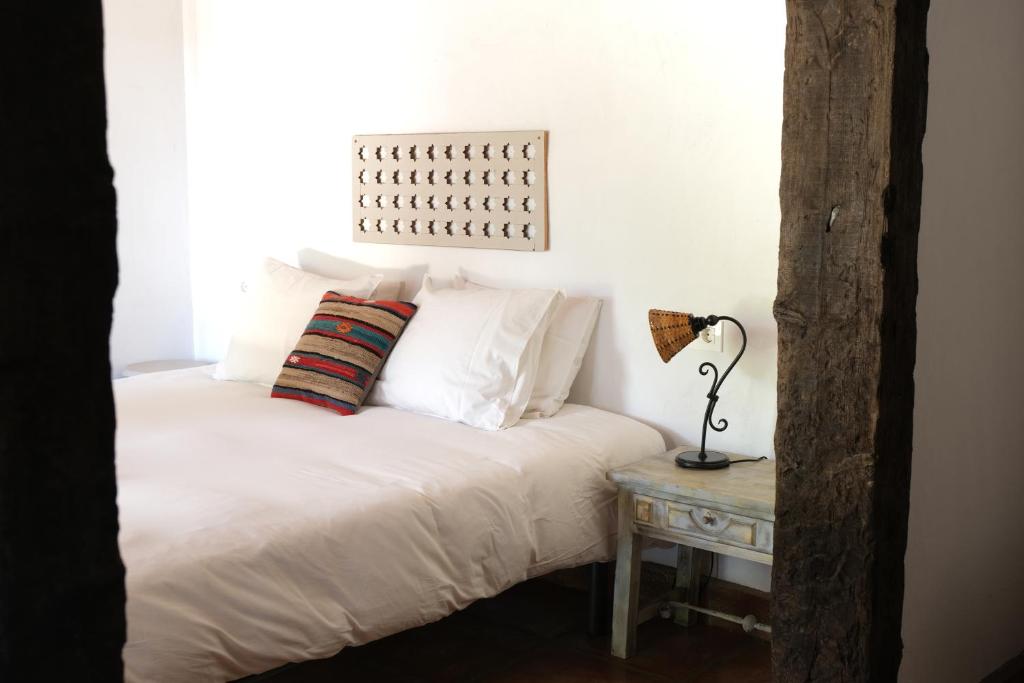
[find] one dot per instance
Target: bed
(257, 532)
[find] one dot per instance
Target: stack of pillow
(485, 357)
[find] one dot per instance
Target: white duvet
(259, 531)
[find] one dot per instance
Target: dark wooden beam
(854, 110)
(61, 577)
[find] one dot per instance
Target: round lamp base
(713, 460)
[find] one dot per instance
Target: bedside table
(729, 511)
(146, 367)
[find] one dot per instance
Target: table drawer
(721, 526)
(704, 522)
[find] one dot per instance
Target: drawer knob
(709, 518)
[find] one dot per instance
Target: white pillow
(339, 268)
(465, 355)
(564, 346)
(388, 290)
(278, 303)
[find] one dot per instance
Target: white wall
(664, 159)
(964, 602)
(146, 140)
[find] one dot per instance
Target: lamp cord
(763, 457)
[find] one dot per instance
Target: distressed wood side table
(729, 511)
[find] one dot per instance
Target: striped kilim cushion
(341, 352)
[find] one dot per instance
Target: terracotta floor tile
(751, 664)
(666, 648)
(561, 665)
(536, 633)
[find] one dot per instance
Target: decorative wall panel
(485, 190)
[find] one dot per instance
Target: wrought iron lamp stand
(704, 459)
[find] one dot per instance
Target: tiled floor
(535, 633)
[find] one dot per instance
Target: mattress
(258, 531)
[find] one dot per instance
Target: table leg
(627, 581)
(692, 564)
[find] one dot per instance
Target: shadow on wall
(965, 551)
(603, 343)
(760, 360)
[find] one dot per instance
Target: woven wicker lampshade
(672, 331)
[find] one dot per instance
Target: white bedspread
(258, 531)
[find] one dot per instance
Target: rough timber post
(854, 110)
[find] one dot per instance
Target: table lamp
(672, 331)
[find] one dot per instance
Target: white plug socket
(712, 338)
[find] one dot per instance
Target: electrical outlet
(712, 338)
